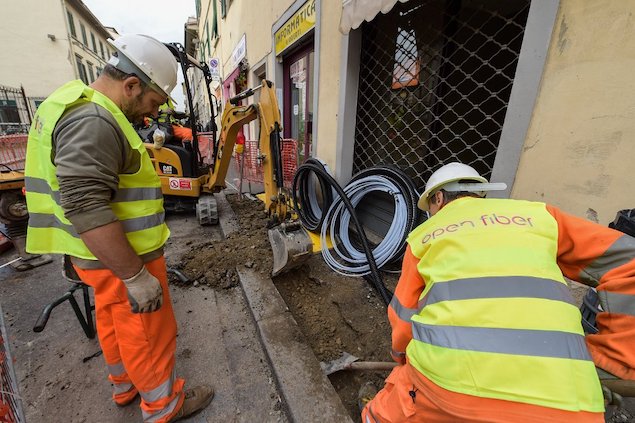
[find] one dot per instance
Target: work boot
(366, 393)
(125, 398)
(196, 399)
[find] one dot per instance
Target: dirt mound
(214, 263)
(339, 314)
(336, 313)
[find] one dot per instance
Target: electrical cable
(410, 197)
(324, 177)
(349, 257)
(351, 261)
(346, 258)
(305, 201)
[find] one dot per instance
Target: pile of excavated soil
(339, 314)
(336, 313)
(213, 263)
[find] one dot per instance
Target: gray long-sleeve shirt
(89, 152)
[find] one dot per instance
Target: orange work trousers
(408, 396)
(138, 348)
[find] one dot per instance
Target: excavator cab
(184, 164)
(190, 177)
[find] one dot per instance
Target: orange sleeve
(404, 304)
(605, 259)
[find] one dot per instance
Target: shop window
(232, 85)
(298, 100)
(435, 79)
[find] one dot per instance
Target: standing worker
(482, 319)
(93, 195)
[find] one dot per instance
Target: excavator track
(207, 210)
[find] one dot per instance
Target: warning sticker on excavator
(179, 183)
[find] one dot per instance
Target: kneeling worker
(482, 319)
(93, 194)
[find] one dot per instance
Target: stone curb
(308, 394)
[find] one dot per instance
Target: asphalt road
(217, 343)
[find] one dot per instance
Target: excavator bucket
(291, 246)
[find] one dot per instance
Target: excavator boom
(290, 243)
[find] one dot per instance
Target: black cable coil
(312, 215)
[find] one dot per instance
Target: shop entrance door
(298, 99)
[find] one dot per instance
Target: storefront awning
(354, 12)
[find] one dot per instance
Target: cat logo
(167, 169)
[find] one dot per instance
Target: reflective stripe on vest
(496, 318)
(40, 186)
(38, 220)
(137, 203)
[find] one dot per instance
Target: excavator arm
(290, 243)
(269, 144)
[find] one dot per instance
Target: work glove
(144, 292)
(615, 388)
(158, 137)
(611, 398)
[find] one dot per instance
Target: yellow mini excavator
(188, 182)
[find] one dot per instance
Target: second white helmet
(447, 177)
(147, 58)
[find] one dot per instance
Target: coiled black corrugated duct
(350, 261)
(410, 195)
(305, 200)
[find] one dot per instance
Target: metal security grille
(434, 83)
(15, 115)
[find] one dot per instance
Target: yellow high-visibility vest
(138, 202)
(496, 318)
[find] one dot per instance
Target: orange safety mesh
(10, 408)
(206, 146)
(13, 151)
(252, 170)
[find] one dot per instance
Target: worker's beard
(133, 109)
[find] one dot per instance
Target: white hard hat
(148, 59)
(447, 177)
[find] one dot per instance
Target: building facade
(62, 41)
(419, 83)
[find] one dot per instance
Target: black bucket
(624, 222)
